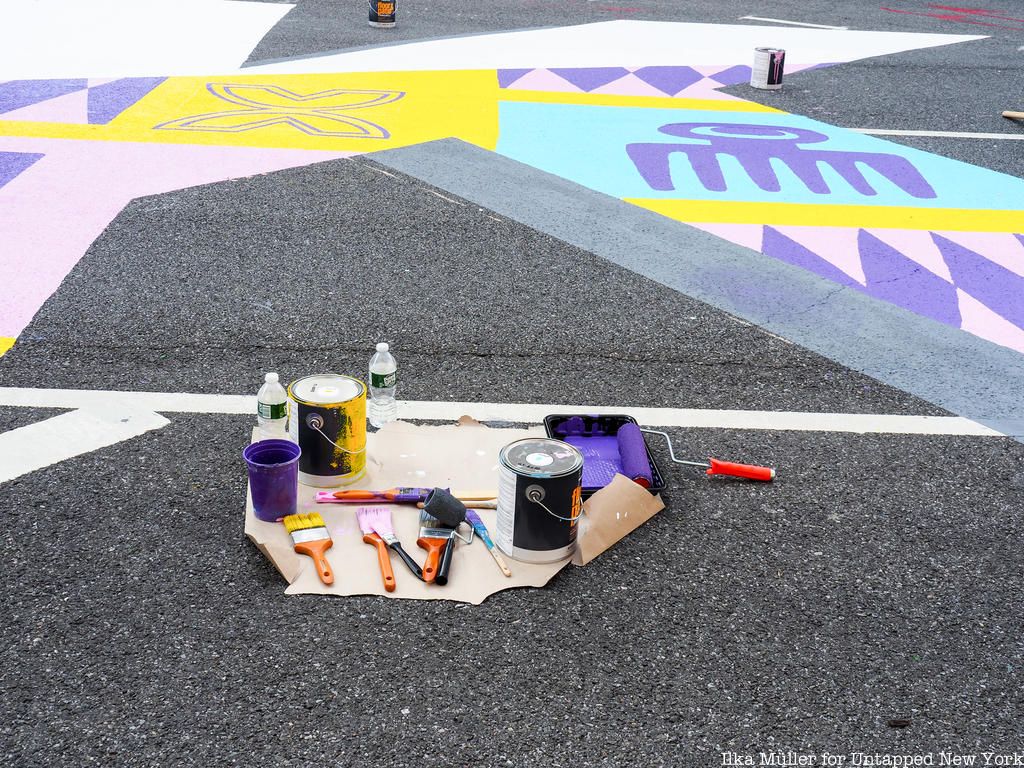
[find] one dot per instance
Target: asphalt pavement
(877, 579)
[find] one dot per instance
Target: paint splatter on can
(539, 499)
(769, 64)
(382, 13)
(327, 418)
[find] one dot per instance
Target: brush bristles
(294, 523)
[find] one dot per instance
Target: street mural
(932, 235)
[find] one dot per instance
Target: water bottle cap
(270, 377)
(383, 347)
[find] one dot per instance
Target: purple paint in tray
(596, 438)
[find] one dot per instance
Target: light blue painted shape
(587, 145)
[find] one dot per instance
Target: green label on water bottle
(383, 380)
(272, 410)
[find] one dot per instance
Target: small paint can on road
(327, 418)
(382, 13)
(539, 499)
(767, 71)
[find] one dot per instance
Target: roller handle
(407, 559)
(383, 559)
(749, 471)
(446, 563)
(316, 550)
(433, 547)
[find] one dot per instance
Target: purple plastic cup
(273, 478)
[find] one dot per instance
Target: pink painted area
(94, 81)
(982, 321)
(917, 246)
(747, 235)
(52, 212)
(629, 85)
(836, 245)
(544, 80)
(1002, 248)
(70, 108)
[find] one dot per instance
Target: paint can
(327, 418)
(539, 499)
(769, 64)
(382, 13)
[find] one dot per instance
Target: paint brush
(395, 496)
(367, 516)
(311, 537)
(481, 530)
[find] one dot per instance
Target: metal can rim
(359, 393)
(540, 473)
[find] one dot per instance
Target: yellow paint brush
(311, 537)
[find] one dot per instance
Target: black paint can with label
(382, 14)
(539, 499)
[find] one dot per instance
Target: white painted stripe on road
(53, 440)
(791, 23)
(940, 134)
(532, 413)
(160, 402)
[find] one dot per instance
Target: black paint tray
(600, 448)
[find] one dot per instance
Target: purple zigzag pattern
(105, 101)
(996, 287)
(778, 246)
(894, 278)
(15, 94)
(589, 78)
(670, 80)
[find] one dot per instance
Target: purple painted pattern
(994, 286)
(108, 100)
(105, 101)
(670, 80)
(755, 147)
(778, 246)
(589, 78)
(13, 163)
(507, 77)
(893, 277)
(15, 94)
(318, 114)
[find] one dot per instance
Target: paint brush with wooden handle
(311, 537)
(481, 530)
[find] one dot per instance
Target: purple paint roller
(633, 455)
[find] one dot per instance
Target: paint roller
(450, 512)
(637, 467)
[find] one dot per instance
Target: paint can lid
(541, 457)
(326, 389)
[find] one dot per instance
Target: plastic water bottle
(383, 381)
(272, 408)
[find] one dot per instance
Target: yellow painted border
(861, 216)
(5, 344)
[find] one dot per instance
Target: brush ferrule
(310, 534)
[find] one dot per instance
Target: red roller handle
(749, 471)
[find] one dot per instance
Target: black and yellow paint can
(327, 418)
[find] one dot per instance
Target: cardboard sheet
(456, 456)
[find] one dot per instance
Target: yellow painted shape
(5, 344)
(435, 105)
(651, 102)
(865, 216)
